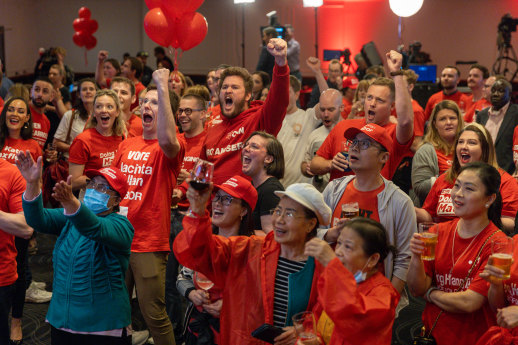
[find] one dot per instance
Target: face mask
(360, 276)
(96, 202)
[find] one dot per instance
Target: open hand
(30, 170)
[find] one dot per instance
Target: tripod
(506, 63)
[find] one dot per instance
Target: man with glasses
(152, 163)
(382, 97)
(377, 198)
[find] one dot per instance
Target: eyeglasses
(290, 214)
(187, 111)
(363, 144)
(147, 100)
(100, 187)
(225, 200)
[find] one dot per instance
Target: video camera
(505, 27)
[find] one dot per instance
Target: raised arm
(166, 126)
(405, 113)
(99, 70)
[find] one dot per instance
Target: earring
(25, 125)
(487, 205)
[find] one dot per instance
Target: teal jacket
(90, 260)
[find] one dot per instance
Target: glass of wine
(203, 282)
(201, 177)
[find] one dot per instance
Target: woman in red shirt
(354, 297)
(455, 293)
(435, 154)
(474, 144)
(95, 148)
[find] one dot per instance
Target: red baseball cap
(116, 179)
(239, 187)
(373, 131)
(350, 82)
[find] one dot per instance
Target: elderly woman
(435, 155)
(90, 303)
(354, 296)
(263, 160)
(474, 144)
(231, 216)
(264, 279)
(96, 147)
(457, 311)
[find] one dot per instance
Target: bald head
(331, 95)
(330, 107)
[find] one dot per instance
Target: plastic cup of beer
(350, 210)
(428, 232)
(502, 254)
(305, 326)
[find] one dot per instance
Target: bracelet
(430, 290)
(396, 73)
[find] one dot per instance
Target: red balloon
(176, 8)
(90, 42)
(80, 24)
(192, 31)
(153, 3)
(158, 27)
(91, 26)
(84, 12)
(79, 38)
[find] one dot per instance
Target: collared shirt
(293, 55)
(494, 120)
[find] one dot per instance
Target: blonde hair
(119, 127)
(432, 135)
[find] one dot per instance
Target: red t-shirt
(449, 273)
(335, 140)
(40, 127)
(12, 186)
(134, 126)
(138, 89)
(94, 150)
(469, 116)
(444, 161)
(192, 153)
(515, 146)
(418, 118)
(511, 284)
(367, 202)
(439, 205)
(1, 104)
(458, 97)
(151, 179)
(13, 146)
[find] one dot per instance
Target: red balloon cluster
(175, 23)
(85, 28)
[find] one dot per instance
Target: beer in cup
(428, 232)
(350, 210)
(502, 254)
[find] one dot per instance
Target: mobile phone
(267, 332)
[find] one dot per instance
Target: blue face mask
(96, 202)
(360, 276)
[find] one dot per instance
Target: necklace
(453, 261)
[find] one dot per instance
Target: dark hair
(115, 63)
(246, 226)
(374, 236)
(43, 78)
(136, 66)
(265, 79)
(160, 50)
(274, 149)
(173, 97)
(454, 67)
(310, 214)
(124, 80)
(376, 70)
(191, 94)
(79, 106)
(26, 132)
(270, 31)
(490, 178)
(483, 69)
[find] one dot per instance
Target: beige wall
(449, 30)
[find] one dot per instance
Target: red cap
(350, 82)
(116, 179)
(375, 132)
(239, 187)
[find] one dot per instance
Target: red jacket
(244, 267)
(363, 313)
(226, 137)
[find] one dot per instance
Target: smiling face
(149, 111)
(292, 227)
(446, 123)
(123, 91)
(105, 112)
(349, 250)
(15, 117)
(468, 195)
(226, 216)
(254, 157)
(190, 123)
(108, 70)
(233, 97)
(87, 92)
(378, 105)
(469, 148)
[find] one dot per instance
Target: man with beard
(450, 78)
(240, 118)
(41, 95)
(500, 121)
